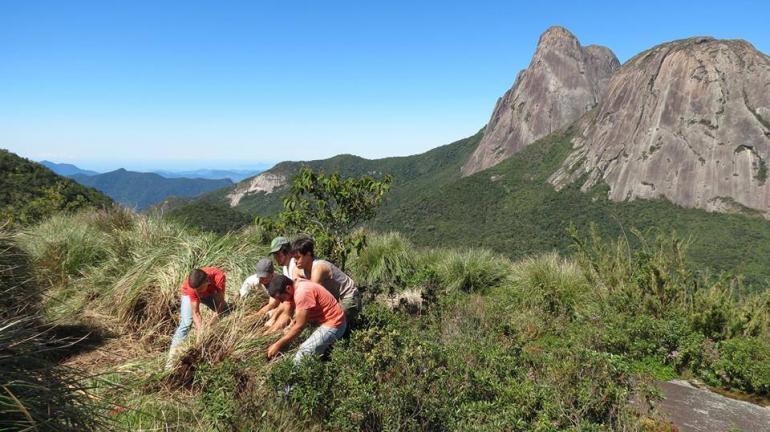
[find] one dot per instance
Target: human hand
(273, 350)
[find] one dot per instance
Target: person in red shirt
(205, 285)
(313, 304)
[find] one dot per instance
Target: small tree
(329, 208)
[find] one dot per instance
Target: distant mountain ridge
(66, 169)
(212, 174)
(142, 190)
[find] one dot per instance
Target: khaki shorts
(352, 306)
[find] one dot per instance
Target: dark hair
(285, 249)
(278, 285)
(197, 278)
(303, 246)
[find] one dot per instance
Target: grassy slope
(484, 343)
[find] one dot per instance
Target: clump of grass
(473, 270)
(64, 247)
(551, 286)
(385, 265)
(35, 393)
(131, 267)
(237, 336)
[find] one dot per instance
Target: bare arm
(321, 273)
(300, 319)
(271, 304)
(220, 301)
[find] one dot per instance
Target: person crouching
(312, 304)
(205, 285)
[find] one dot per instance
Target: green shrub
(743, 364)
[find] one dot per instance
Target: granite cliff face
(687, 120)
(563, 82)
(267, 182)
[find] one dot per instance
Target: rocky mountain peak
(687, 120)
(556, 36)
(562, 82)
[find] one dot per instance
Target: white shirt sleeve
(289, 271)
(249, 284)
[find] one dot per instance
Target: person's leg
(318, 342)
(185, 322)
(352, 307)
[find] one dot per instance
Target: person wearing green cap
(281, 248)
(281, 313)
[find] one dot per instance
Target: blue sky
(192, 84)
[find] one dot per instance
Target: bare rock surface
(687, 120)
(266, 182)
(563, 81)
(692, 409)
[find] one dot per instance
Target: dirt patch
(112, 352)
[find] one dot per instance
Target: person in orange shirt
(313, 304)
(205, 285)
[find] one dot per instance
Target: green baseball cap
(276, 244)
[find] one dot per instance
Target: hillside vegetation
(449, 339)
(29, 192)
(512, 210)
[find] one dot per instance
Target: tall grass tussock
(35, 392)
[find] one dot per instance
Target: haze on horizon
(183, 85)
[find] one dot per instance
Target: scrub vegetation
(449, 339)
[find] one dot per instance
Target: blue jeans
(318, 342)
(186, 319)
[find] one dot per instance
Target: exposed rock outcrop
(687, 120)
(693, 409)
(266, 182)
(563, 81)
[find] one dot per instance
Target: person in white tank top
(322, 272)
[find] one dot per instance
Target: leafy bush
(328, 207)
(744, 364)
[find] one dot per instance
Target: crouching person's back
(313, 305)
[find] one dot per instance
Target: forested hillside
(30, 192)
(141, 190)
